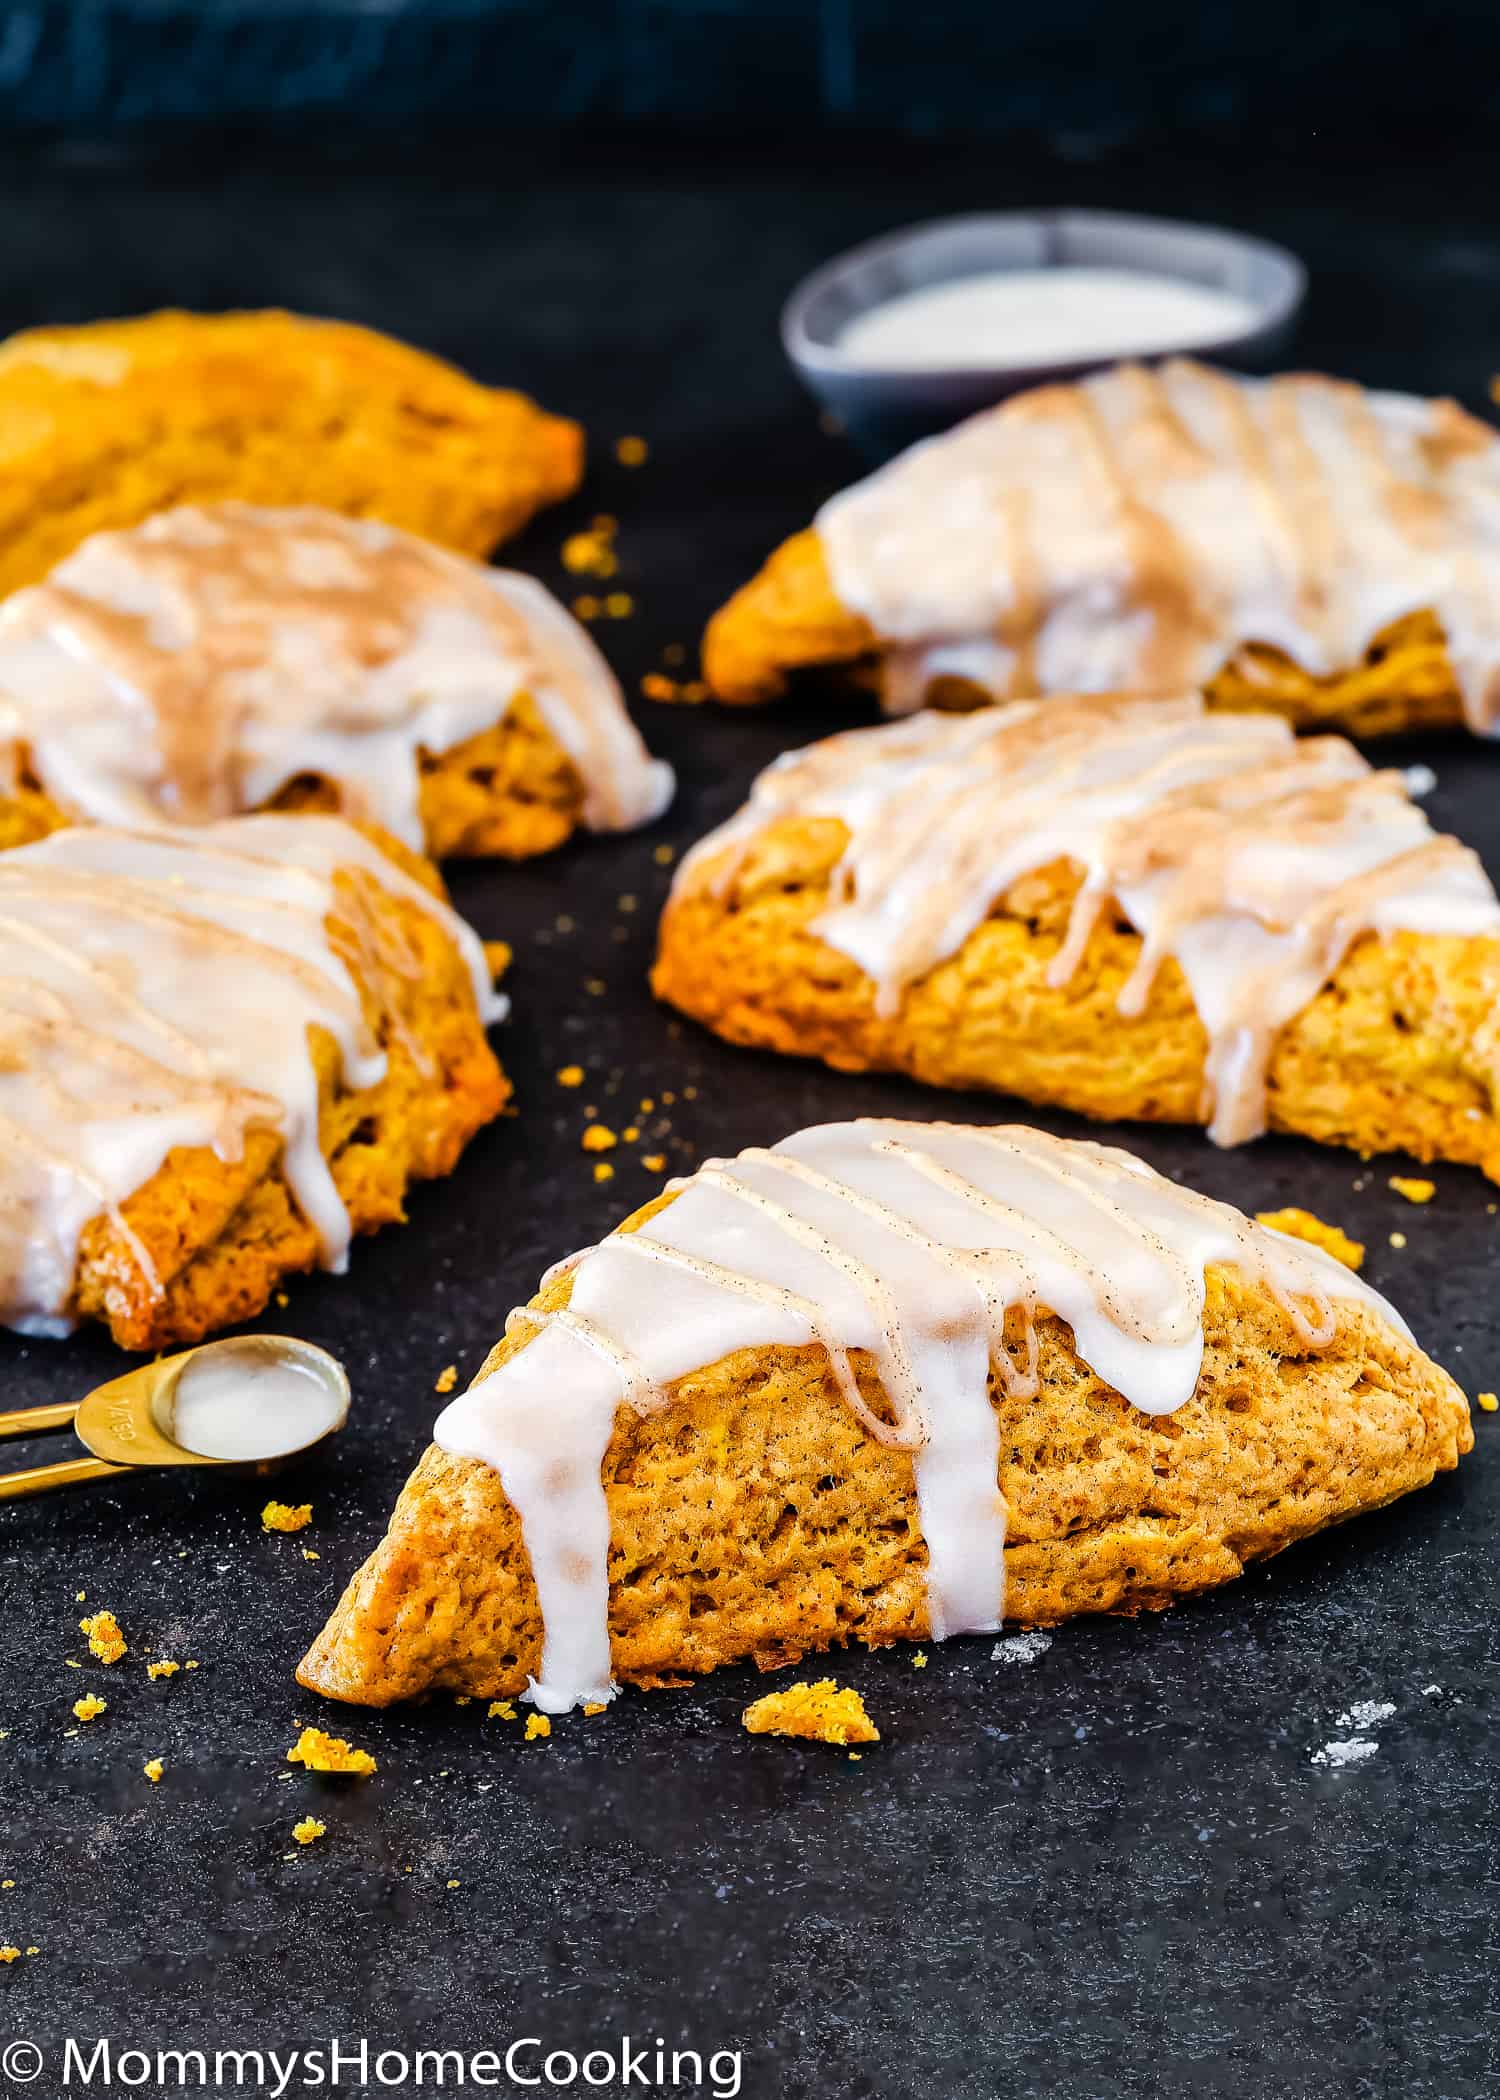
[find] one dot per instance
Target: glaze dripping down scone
(101, 425)
(882, 1381)
(223, 1052)
(1132, 908)
(224, 658)
(1298, 544)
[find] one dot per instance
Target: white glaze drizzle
(912, 1242)
(1130, 532)
(156, 990)
(193, 665)
(1253, 858)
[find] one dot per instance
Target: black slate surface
(1114, 1871)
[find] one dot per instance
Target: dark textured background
(1116, 1872)
(1089, 73)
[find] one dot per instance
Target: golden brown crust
(788, 619)
(221, 1234)
(510, 791)
(103, 424)
(1401, 1050)
(753, 1518)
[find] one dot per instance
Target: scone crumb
(498, 957)
(1303, 1225)
(599, 1138)
(570, 1075)
(603, 1171)
(592, 553)
(321, 1752)
(309, 1554)
(162, 1669)
(631, 451)
(664, 855)
(501, 1710)
(309, 1829)
(286, 1516)
(537, 1725)
(919, 1660)
(1398, 1239)
(105, 1638)
(596, 1706)
(447, 1379)
(89, 1707)
(1488, 1402)
(153, 1769)
(824, 1712)
(654, 1162)
(9, 1954)
(1413, 1188)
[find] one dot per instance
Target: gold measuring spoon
(246, 1403)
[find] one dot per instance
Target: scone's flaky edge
(221, 1234)
(1399, 1051)
(100, 425)
(509, 792)
(753, 1519)
(789, 619)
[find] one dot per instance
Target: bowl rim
(814, 356)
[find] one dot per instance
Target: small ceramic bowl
(882, 406)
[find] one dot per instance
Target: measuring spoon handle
(36, 1480)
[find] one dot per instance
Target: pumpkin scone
(222, 658)
(1130, 908)
(1298, 544)
(225, 1052)
(100, 425)
(882, 1381)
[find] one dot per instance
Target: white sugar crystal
(1021, 1648)
(1365, 1713)
(1353, 1750)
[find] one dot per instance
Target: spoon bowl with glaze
(245, 1404)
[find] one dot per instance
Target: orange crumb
(570, 1075)
(1302, 1225)
(309, 1829)
(629, 1134)
(619, 605)
(82, 1597)
(282, 1300)
(654, 1162)
(592, 553)
(1398, 1239)
(603, 1171)
(105, 1638)
(631, 451)
(329, 1753)
(1413, 1189)
(664, 855)
(190, 1666)
(308, 1554)
(501, 1710)
(9, 1954)
(599, 1138)
(1488, 1402)
(453, 1884)
(656, 687)
(587, 607)
(596, 1706)
(162, 1669)
(647, 1104)
(286, 1516)
(89, 1708)
(498, 957)
(690, 1093)
(818, 1713)
(153, 1769)
(537, 1725)
(919, 1660)
(595, 987)
(447, 1379)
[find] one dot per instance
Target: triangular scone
(223, 1053)
(1130, 908)
(103, 424)
(224, 657)
(771, 1415)
(1295, 543)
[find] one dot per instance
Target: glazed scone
(1132, 908)
(226, 1051)
(224, 658)
(1295, 544)
(882, 1381)
(103, 424)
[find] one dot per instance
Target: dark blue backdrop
(1094, 70)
